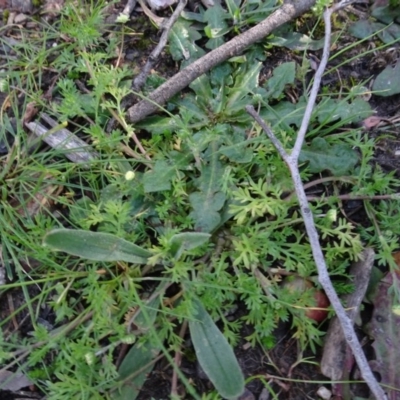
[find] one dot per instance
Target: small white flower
(122, 18)
(89, 357)
(129, 175)
(332, 215)
(129, 339)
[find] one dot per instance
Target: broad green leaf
(182, 44)
(236, 147)
(205, 209)
(201, 86)
(96, 246)
(191, 110)
(284, 114)
(330, 110)
(159, 178)
(233, 7)
(158, 125)
(221, 74)
(132, 372)
(283, 75)
(387, 83)
(146, 317)
(215, 355)
(186, 241)
(391, 34)
(246, 81)
(216, 27)
(210, 178)
(386, 14)
(339, 159)
(208, 200)
(298, 41)
(366, 28)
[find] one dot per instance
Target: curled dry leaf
(371, 122)
(317, 313)
(13, 381)
(337, 359)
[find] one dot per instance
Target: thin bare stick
(234, 47)
(177, 361)
(130, 5)
(348, 197)
(323, 274)
(140, 80)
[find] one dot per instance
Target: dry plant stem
(323, 275)
(234, 47)
(140, 80)
(177, 361)
(394, 196)
(292, 162)
(130, 5)
(19, 355)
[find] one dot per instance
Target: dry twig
(140, 80)
(292, 162)
(234, 47)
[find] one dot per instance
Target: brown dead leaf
(21, 6)
(13, 381)
(33, 203)
(383, 329)
(30, 112)
(371, 122)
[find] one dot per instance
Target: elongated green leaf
(185, 241)
(215, 355)
(133, 371)
(299, 41)
(245, 82)
(96, 246)
(209, 200)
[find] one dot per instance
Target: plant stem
(292, 162)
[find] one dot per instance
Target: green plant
(206, 209)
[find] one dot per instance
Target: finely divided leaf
(215, 355)
(96, 246)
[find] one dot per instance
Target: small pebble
(264, 395)
(247, 395)
(324, 393)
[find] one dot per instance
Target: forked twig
(140, 80)
(292, 162)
